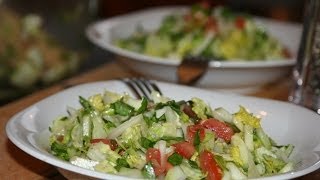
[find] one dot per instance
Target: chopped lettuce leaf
(135, 159)
(131, 137)
(202, 109)
(247, 118)
(100, 151)
(191, 172)
(137, 125)
(97, 102)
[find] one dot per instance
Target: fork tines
(141, 87)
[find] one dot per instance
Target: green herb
(168, 138)
(122, 108)
(121, 162)
(175, 159)
(196, 140)
(162, 118)
(172, 104)
(60, 150)
(193, 164)
(109, 124)
(227, 13)
(64, 118)
(220, 161)
(86, 105)
(143, 107)
(146, 143)
(150, 120)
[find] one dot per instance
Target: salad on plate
(217, 33)
(166, 139)
(30, 57)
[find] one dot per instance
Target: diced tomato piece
(187, 17)
(221, 129)
(192, 130)
(111, 142)
(240, 22)
(209, 165)
(205, 4)
(211, 25)
(153, 156)
(158, 169)
(185, 149)
(153, 153)
(168, 166)
(286, 53)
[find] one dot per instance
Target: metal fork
(191, 69)
(141, 87)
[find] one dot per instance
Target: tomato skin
(205, 4)
(221, 129)
(158, 169)
(209, 165)
(286, 53)
(112, 143)
(211, 25)
(168, 166)
(240, 22)
(153, 156)
(153, 153)
(185, 149)
(192, 130)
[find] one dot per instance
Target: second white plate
(221, 75)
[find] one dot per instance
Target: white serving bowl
(220, 75)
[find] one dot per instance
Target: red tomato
(168, 166)
(205, 4)
(211, 25)
(240, 22)
(192, 130)
(209, 165)
(187, 17)
(286, 53)
(153, 153)
(185, 149)
(112, 143)
(158, 169)
(221, 129)
(153, 156)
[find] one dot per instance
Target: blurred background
(43, 42)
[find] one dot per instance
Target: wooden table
(16, 164)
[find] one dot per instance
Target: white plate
(284, 122)
(221, 75)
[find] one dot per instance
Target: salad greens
(30, 57)
(213, 32)
(166, 139)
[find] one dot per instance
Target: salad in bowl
(166, 139)
(217, 33)
(245, 52)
